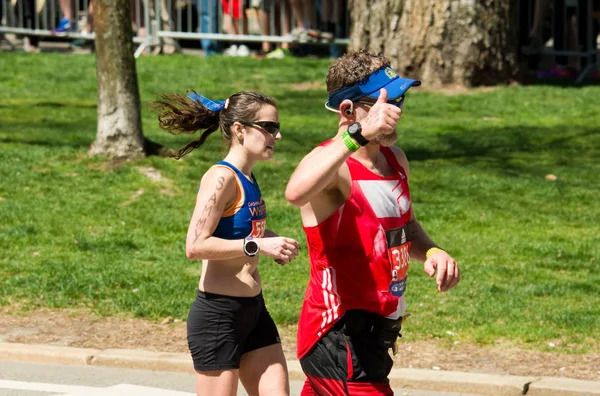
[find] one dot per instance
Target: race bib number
(258, 228)
(398, 256)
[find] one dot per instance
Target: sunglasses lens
(271, 127)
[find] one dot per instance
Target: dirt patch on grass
(456, 89)
(78, 328)
(308, 85)
(107, 165)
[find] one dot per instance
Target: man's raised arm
(316, 172)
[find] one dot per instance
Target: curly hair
(353, 67)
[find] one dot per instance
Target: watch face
(251, 247)
(354, 128)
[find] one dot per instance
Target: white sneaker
(243, 51)
(231, 51)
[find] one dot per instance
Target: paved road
(33, 379)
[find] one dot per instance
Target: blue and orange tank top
(247, 216)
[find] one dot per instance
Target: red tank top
(359, 255)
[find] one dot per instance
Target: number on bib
(258, 228)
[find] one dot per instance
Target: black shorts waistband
(240, 300)
(357, 322)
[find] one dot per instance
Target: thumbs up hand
(382, 118)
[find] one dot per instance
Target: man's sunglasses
(269, 126)
(398, 102)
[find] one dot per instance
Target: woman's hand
(281, 249)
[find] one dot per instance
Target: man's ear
(347, 108)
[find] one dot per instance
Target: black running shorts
(220, 329)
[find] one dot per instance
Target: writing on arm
(217, 191)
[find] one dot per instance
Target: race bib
(258, 228)
(398, 241)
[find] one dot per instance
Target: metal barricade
(42, 18)
(572, 25)
(202, 20)
(158, 23)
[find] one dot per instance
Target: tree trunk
(440, 42)
(119, 133)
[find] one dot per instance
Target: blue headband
(370, 87)
(212, 105)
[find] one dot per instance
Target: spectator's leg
(263, 20)
(89, 25)
(89, 29)
(327, 16)
(229, 24)
(209, 23)
(67, 23)
(574, 37)
(66, 7)
(309, 13)
(335, 50)
(559, 31)
(584, 29)
(285, 11)
(538, 19)
(298, 13)
(137, 12)
(32, 42)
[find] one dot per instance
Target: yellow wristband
(433, 250)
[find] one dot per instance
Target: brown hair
(180, 114)
(353, 67)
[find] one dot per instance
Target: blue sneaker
(64, 26)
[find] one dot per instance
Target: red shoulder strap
(325, 143)
(392, 160)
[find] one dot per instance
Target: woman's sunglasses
(398, 102)
(269, 126)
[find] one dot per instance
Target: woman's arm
(217, 190)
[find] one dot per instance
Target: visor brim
(396, 88)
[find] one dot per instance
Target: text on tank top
(247, 216)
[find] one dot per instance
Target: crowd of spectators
(562, 26)
(298, 22)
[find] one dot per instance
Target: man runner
(361, 231)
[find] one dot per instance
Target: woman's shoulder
(220, 176)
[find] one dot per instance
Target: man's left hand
(448, 275)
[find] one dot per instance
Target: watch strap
(357, 136)
(349, 142)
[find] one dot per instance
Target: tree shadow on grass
(48, 134)
(513, 150)
(77, 105)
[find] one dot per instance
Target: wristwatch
(354, 130)
(250, 247)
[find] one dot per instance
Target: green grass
(73, 233)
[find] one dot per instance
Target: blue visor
(382, 78)
(212, 105)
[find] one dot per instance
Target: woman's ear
(237, 130)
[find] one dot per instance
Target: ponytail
(189, 114)
(186, 114)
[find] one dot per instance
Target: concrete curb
(417, 379)
(460, 382)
